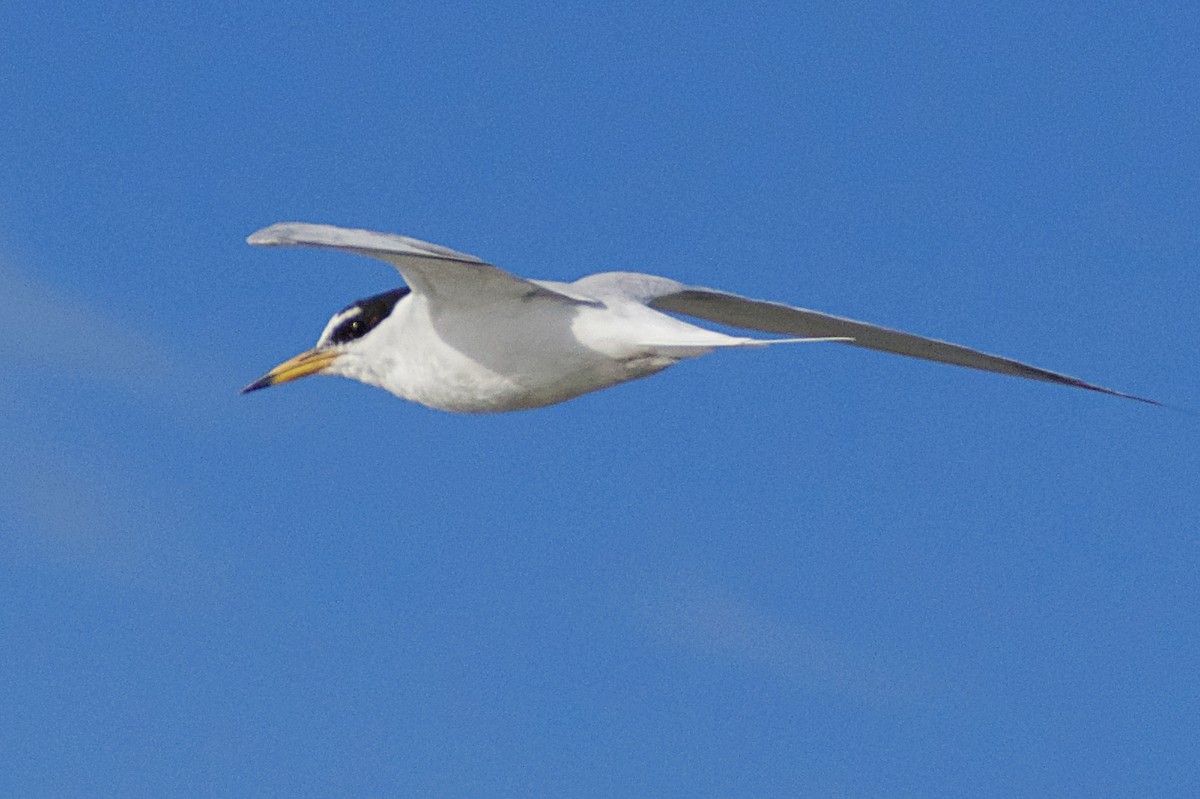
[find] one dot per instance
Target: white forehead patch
(338, 318)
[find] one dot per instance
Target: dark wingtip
(1145, 400)
(1102, 390)
(1136, 398)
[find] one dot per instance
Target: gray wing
(773, 317)
(430, 269)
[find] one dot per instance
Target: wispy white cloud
(44, 328)
(716, 624)
(47, 333)
(85, 506)
(81, 512)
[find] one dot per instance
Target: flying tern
(469, 337)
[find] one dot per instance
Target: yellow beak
(305, 364)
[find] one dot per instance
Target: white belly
(489, 362)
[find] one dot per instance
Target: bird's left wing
(441, 274)
(773, 317)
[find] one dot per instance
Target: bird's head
(347, 336)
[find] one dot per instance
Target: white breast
(506, 357)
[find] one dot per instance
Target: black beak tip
(260, 383)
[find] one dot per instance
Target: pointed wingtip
(1146, 400)
(1167, 406)
(1110, 392)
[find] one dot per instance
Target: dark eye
(348, 331)
(364, 316)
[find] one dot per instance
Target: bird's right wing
(773, 317)
(437, 272)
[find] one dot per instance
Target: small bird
(469, 337)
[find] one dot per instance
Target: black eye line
(372, 311)
(354, 328)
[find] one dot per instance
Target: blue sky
(800, 571)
